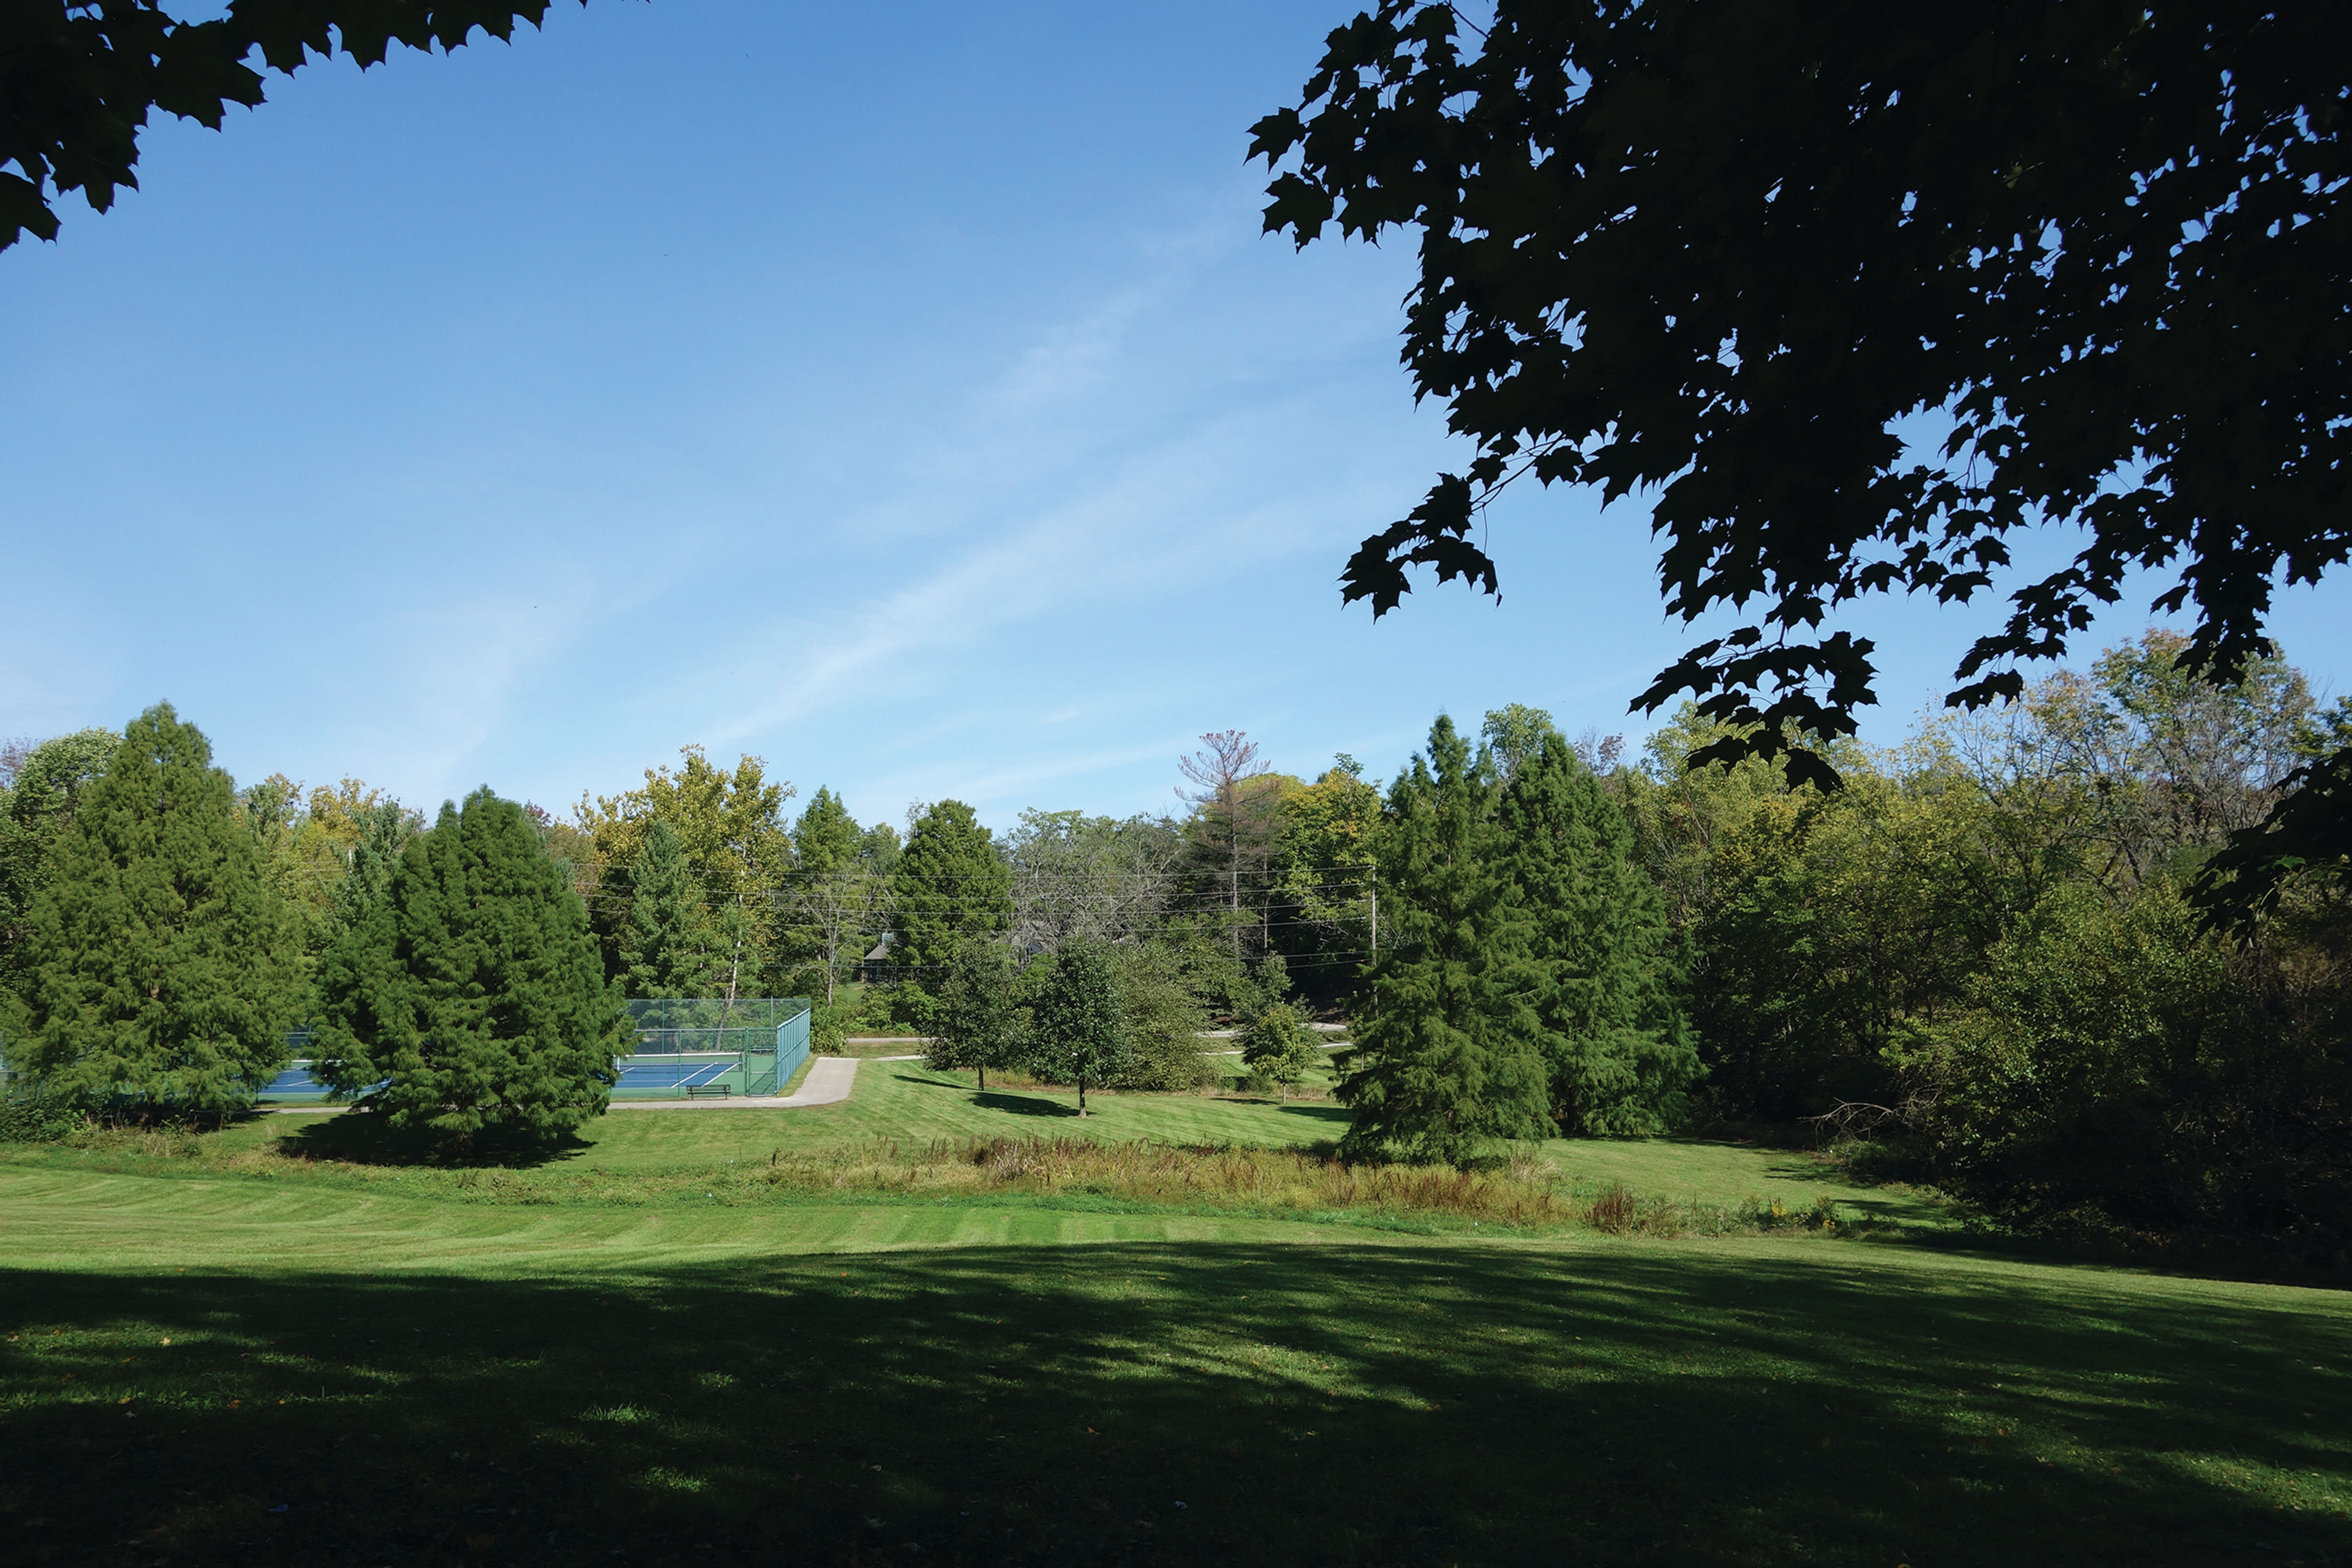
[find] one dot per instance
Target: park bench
(720, 1089)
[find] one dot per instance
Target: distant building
(875, 967)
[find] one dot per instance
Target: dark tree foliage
(2116, 1072)
(1078, 1032)
(1859, 293)
(45, 783)
(77, 77)
(1445, 1061)
(385, 829)
(160, 964)
(950, 883)
(472, 1004)
(2306, 837)
(665, 947)
(1601, 958)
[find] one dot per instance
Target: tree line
(161, 937)
(1982, 960)
(1976, 963)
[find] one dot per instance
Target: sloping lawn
(638, 1352)
(425, 1382)
(911, 1105)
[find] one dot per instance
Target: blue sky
(903, 394)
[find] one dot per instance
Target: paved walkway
(828, 1082)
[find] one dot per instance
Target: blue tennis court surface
(642, 1075)
(750, 1045)
(295, 1083)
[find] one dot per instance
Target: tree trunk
(734, 972)
(1082, 1094)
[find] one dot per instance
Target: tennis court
(657, 1075)
(741, 1046)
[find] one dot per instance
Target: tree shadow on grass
(997, 1098)
(360, 1138)
(1388, 1405)
(1022, 1104)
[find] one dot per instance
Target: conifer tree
(1446, 1060)
(471, 1004)
(833, 894)
(978, 1020)
(39, 789)
(1078, 1032)
(825, 839)
(950, 883)
(161, 965)
(384, 828)
(666, 946)
(1599, 955)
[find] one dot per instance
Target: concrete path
(926, 1039)
(829, 1083)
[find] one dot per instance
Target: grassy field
(908, 1103)
(213, 1354)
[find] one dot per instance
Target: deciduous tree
(1323, 883)
(77, 77)
(978, 1024)
(1160, 1016)
(737, 848)
(1279, 1047)
(1860, 294)
(1100, 876)
(836, 900)
(1078, 1034)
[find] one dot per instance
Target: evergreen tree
(666, 949)
(384, 829)
(979, 1019)
(1445, 1061)
(1600, 956)
(472, 1003)
(832, 895)
(950, 884)
(1078, 1033)
(1277, 1047)
(39, 788)
(825, 839)
(160, 964)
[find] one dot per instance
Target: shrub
(30, 1118)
